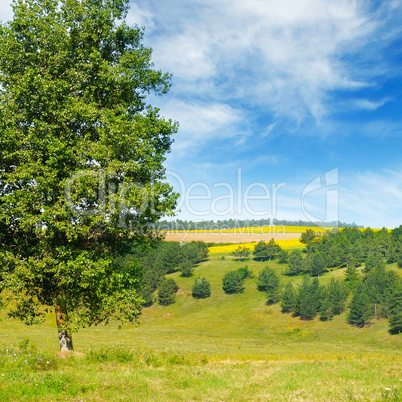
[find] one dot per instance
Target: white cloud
(284, 55)
(366, 104)
(373, 198)
(201, 122)
(140, 17)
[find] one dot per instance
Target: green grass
(226, 347)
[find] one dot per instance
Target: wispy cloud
(285, 59)
(201, 122)
(373, 197)
(366, 104)
(284, 55)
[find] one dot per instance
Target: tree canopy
(81, 161)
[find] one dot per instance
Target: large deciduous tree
(81, 161)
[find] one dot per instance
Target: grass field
(226, 347)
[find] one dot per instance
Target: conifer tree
(241, 252)
(295, 262)
(334, 298)
(373, 261)
(232, 282)
(201, 288)
(360, 308)
(166, 291)
(317, 264)
(288, 298)
(351, 274)
(310, 302)
(301, 294)
(269, 282)
(395, 318)
(283, 256)
(186, 268)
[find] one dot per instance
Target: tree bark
(65, 337)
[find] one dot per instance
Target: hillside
(249, 349)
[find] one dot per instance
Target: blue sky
(281, 95)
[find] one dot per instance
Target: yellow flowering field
(285, 244)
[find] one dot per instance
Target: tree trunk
(65, 337)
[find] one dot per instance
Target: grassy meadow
(226, 347)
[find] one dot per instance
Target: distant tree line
(331, 224)
(179, 224)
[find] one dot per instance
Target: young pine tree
(186, 268)
(244, 272)
(166, 291)
(201, 288)
(268, 282)
(334, 298)
(283, 256)
(232, 282)
(317, 264)
(310, 301)
(295, 262)
(241, 252)
(395, 319)
(288, 298)
(351, 274)
(361, 309)
(373, 261)
(301, 294)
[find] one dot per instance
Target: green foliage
(81, 161)
(288, 298)
(233, 282)
(164, 258)
(380, 285)
(166, 291)
(395, 318)
(296, 263)
(317, 264)
(186, 268)
(268, 282)
(308, 300)
(374, 295)
(259, 250)
(360, 308)
(373, 261)
(308, 236)
(196, 251)
(201, 288)
(244, 272)
(264, 251)
(147, 296)
(351, 274)
(241, 252)
(334, 297)
(283, 256)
